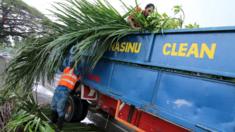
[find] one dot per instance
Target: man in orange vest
(146, 12)
(66, 84)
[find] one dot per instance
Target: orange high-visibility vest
(68, 78)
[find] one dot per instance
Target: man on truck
(146, 12)
(65, 86)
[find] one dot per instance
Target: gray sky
(207, 13)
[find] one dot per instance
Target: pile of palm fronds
(23, 121)
(26, 115)
(88, 27)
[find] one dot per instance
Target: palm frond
(27, 116)
(85, 25)
(90, 28)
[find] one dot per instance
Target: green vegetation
(194, 25)
(22, 5)
(89, 28)
(18, 21)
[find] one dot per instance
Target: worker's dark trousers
(59, 100)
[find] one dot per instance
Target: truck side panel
(131, 85)
(205, 103)
(195, 103)
(206, 52)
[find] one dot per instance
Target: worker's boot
(54, 117)
(60, 123)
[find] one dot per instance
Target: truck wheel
(85, 105)
(76, 109)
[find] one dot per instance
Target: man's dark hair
(150, 5)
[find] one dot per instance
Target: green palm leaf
(88, 27)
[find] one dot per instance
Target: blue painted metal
(223, 63)
(195, 103)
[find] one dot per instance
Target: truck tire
(76, 109)
(85, 105)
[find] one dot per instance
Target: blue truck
(178, 80)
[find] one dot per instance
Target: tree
(18, 20)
